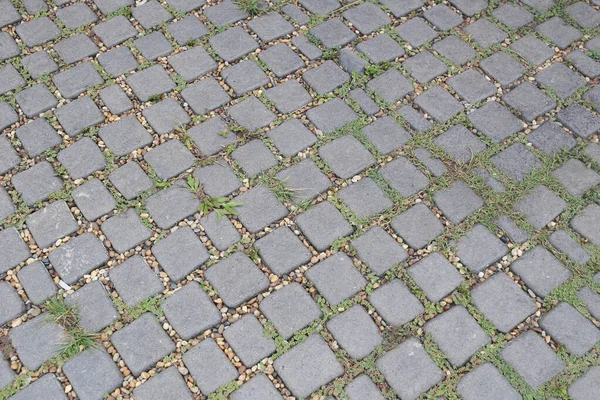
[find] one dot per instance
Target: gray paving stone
(486, 382)
(367, 105)
(125, 231)
(379, 250)
(257, 388)
(130, 180)
(308, 366)
(10, 79)
(98, 365)
(571, 329)
(72, 82)
(12, 304)
(7, 207)
(579, 120)
(13, 248)
(436, 276)
(190, 311)
(418, 226)
(532, 49)
(36, 100)
(502, 301)
(455, 49)
(586, 387)
(365, 199)
(153, 45)
(233, 44)
(435, 166)
(151, 14)
(212, 136)
(561, 240)
(281, 59)
(166, 116)
(260, 208)
(142, 343)
(480, 248)
(541, 271)
(9, 14)
(150, 82)
(336, 278)
(295, 13)
(366, 17)
(252, 114)
(355, 332)
(37, 282)
(539, 5)
(404, 177)
(510, 228)
(516, 161)
(187, 30)
(209, 366)
(110, 6)
(95, 308)
(8, 47)
(47, 387)
(288, 96)
(6, 374)
(206, 95)
(333, 33)
(78, 257)
(391, 85)
(79, 115)
(311, 51)
(503, 68)
(559, 32)
(409, 370)
(346, 156)
(168, 383)
(180, 253)
(254, 157)
(37, 31)
(584, 14)
(489, 180)
(76, 15)
(541, 206)
(424, 67)
(458, 201)
(586, 221)
(38, 340)
(533, 359)
(237, 279)
(439, 104)
(170, 159)
(246, 337)
(326, 77)
(225, 13)
(470, 7)
(443, 17)
(331, 115)
(115, 99)
(8, 116)
(37, 182)
(185, 6)
(416, 32)
(304, 180)
(172, 205)
(220, 231)
(591, 300)
(322, 225)
(472, 86)
(363, 387)
(38, 136)
(218, 179)
(39, 63)
(560, 79)
(593, 152)
(584, 64)
(460, 143)
(551, 138)
(576, 177)
(76, 48)
(485, 33)
(395, 303)
(82, 158)
(135, 281)
(270, 26)
(51, 223)
(125, 135)
(381, 48)
(118, 61)
(282, 251)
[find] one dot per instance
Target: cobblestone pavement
(300, 199)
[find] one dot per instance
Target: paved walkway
(317, 199)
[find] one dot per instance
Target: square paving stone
(480, 248)
(365, 198)
(82, 158)
(418, 226)
(363, 387)
(76, 15)
(424, 67)
(142, 343)
(7, 374)
(12, 305)
(260, 208)
(416, 32)
(510, 228)
(560, 79)
(332, 115)
(378, 250)
(391, 85)
(436, 276)
(540, 270)
(187, 29)
(180, 253)
(564, 243)
(321, 7)
(125, 136)
(130, 180)
(333, 33)
(587, 386)
(254, 157)
(257, 388)
(37, 182)
(270, 26)
(304, 180)
(458, 201)
(460, 143)
(76, 48)
(206, 95)
(551, 138)
(443, 17)
(75, 117)
(245, 77)
(38, 136)
(439, 104)
(93, 199)
(576, 177)
(409, 370)
(295, 13)
(322, 225)
(380, 48)
(151, 14)
(252, 114)
(532, 49)
(541, 206)
(503, 68)
(355, 332)
(95, 308)
(172, 205)
(150, 82)
(326, 77)
(291, 137)
(225, 13)
(72, 82)
(580, 120)
(8, 116)
(118, 61)
(586, 223)
(404, 177)
(485, 33)
(584, 64)
(247, 338)
(51, 223)
(503, 302)
(9, 158)
(486, 382)
(290, 309)
(135, 281)
(559, 32)
(288, 96)
(584, 14)
(110, 6)
(9, 14)
(533, 359)
(190, 311)
(218, 179)
(98, 365)
(37, 282)
(395, 303)
(46, 387)
(170, 159)
(37, 31)
(571, 329)
(153, 46)
(167, 384)
(185, 6)
(78, 257)
(212, 136)
(220, 231)
(449, 330)
(115, 99)
(115, 31)
(282, 251)
(7, 207)
(125, 231)
(237, 279)
(10, 79)
(209, 366)
(336, 278)
(470, 7)
(308, 366)
(233, 44)
(363, 100)
(36, 100)
(472, 86)
(593, 151)
(166, 115)
(455, 49)
(367, 17)
(516, 161)
(346, 156)
(281, 59)
(513, 15)
(38, 340)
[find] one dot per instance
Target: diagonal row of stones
(367, 143)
